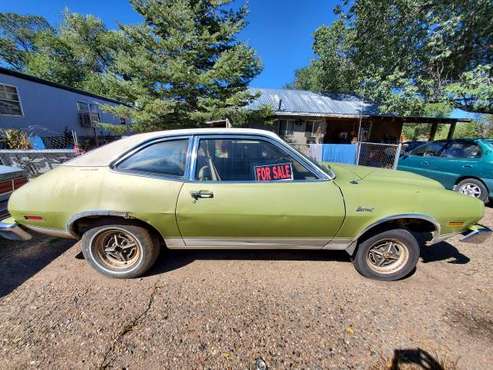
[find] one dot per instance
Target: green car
(235, 189)
(464, 165)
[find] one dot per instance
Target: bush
(16, 139)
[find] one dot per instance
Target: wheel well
(470, 177)
(83, 224)
(420, 228)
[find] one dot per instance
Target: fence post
(358, 152)
(397, 156)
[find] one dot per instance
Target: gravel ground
(213, 309)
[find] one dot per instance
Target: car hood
(363, 174)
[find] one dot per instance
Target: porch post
(433, 132)
(451, 131)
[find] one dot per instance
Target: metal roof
(301, 102)
(38, 80)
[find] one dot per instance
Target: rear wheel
(120, 251)
(390, 255)
(473, 188)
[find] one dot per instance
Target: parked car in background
(11, 178)
(464, 165)
(409, 146)
(236, 189)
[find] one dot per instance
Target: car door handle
(467, 166)
(196, 194)
(426, 163)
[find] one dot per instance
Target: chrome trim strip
(246, 243)
(13, 232)
(440, 238)
(338, 244)
(286, 148)
(351, 246)
(146, 143)
(94, 212)
(193, 159)
(175, 243)
(478, 235)
(50, 231)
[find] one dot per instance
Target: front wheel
(390, 255)
(120, 251)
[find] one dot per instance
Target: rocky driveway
(244, 309)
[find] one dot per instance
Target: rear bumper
(13, 232)
(477, 234)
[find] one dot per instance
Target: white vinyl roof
(103, 156)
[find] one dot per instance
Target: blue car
(464, 165)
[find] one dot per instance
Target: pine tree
(183, 65)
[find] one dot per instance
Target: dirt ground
(211, 309)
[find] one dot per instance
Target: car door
(251, 192)
(460, 158)
(424, 160)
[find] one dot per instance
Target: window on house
(90, 113)
(286, 127)
(309, 127)
(82, 107)
(9, 101)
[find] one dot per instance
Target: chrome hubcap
(116, 249)
(387, 256)
(472, 190)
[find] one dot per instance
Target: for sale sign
(274, 172)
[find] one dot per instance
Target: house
(305, 117)
(47, 109)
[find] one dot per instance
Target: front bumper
(13, 231)
(477, 234)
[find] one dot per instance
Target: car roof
(106, 154)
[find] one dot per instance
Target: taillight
(5, 186)
(19, 181)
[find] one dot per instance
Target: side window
(246, 160)
(165, 158)
(462, 149)
(428, 150)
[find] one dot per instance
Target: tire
(120, 260)
(370, 254)
(473, 188)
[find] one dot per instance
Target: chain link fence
(36, 162)
(37, 149)
(362, 153)
(37, 138)
(378, 155)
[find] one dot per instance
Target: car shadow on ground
(21, 260)
(170, 260)
(415, 358)
(443, 252)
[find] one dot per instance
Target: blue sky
(281, 31)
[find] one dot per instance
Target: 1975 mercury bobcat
(235, 188)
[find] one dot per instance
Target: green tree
(78, 54)
(407, 55)
(17, 37)
(184, 65)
